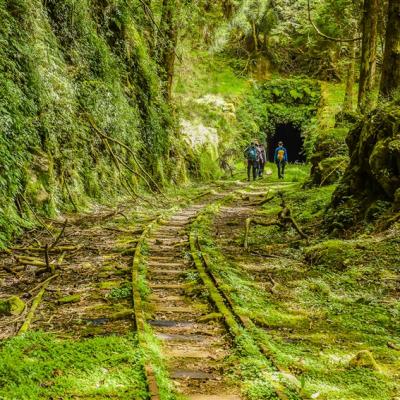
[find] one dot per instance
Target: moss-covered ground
(327, 309)
(40, 366)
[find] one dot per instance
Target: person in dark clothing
(262, 159)
(252, 165)
(281, 158)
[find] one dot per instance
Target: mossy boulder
(332, 254)
(373, 173)
(12, 306)
(364, 359)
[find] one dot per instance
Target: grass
(40, 366)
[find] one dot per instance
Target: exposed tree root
(144, 174)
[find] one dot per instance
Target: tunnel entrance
(292, 140)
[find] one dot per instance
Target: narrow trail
(194, 344)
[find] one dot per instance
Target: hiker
(251, 156)
(262, 159)
(281, 158)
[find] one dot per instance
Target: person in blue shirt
(252, 163)
(281, 158)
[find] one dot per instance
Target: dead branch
(284, 218)
(34, 263)
(274, 284)
(41, 284)
(59, 236)
(50, 250)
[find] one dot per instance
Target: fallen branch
(41, 284)
(284, 218)
(36, 302)
(34, 263)
(50, 250)
(274, 284)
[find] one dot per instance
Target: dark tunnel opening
(292, 140)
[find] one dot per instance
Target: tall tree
(368, 54)
(348, 103)
(391, 62)
(168, 39)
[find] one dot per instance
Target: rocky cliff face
(78, 82)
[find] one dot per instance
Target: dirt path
(195, 343)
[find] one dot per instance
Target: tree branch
(323, 34)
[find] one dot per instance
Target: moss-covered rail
(138, 310)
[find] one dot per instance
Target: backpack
(281, 154)
(252, 154)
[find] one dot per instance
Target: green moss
(109, 285)
(75, 298)
(12, 306)
(332, 254)
(99, 65)
(39, 366)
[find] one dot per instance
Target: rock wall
(69, 71)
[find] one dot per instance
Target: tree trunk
(167, 43)
(348, 103)
(368, 55)
(391, 63)
(255, 35)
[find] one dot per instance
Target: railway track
(186, 310)
(197, 334)
(194, 343)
